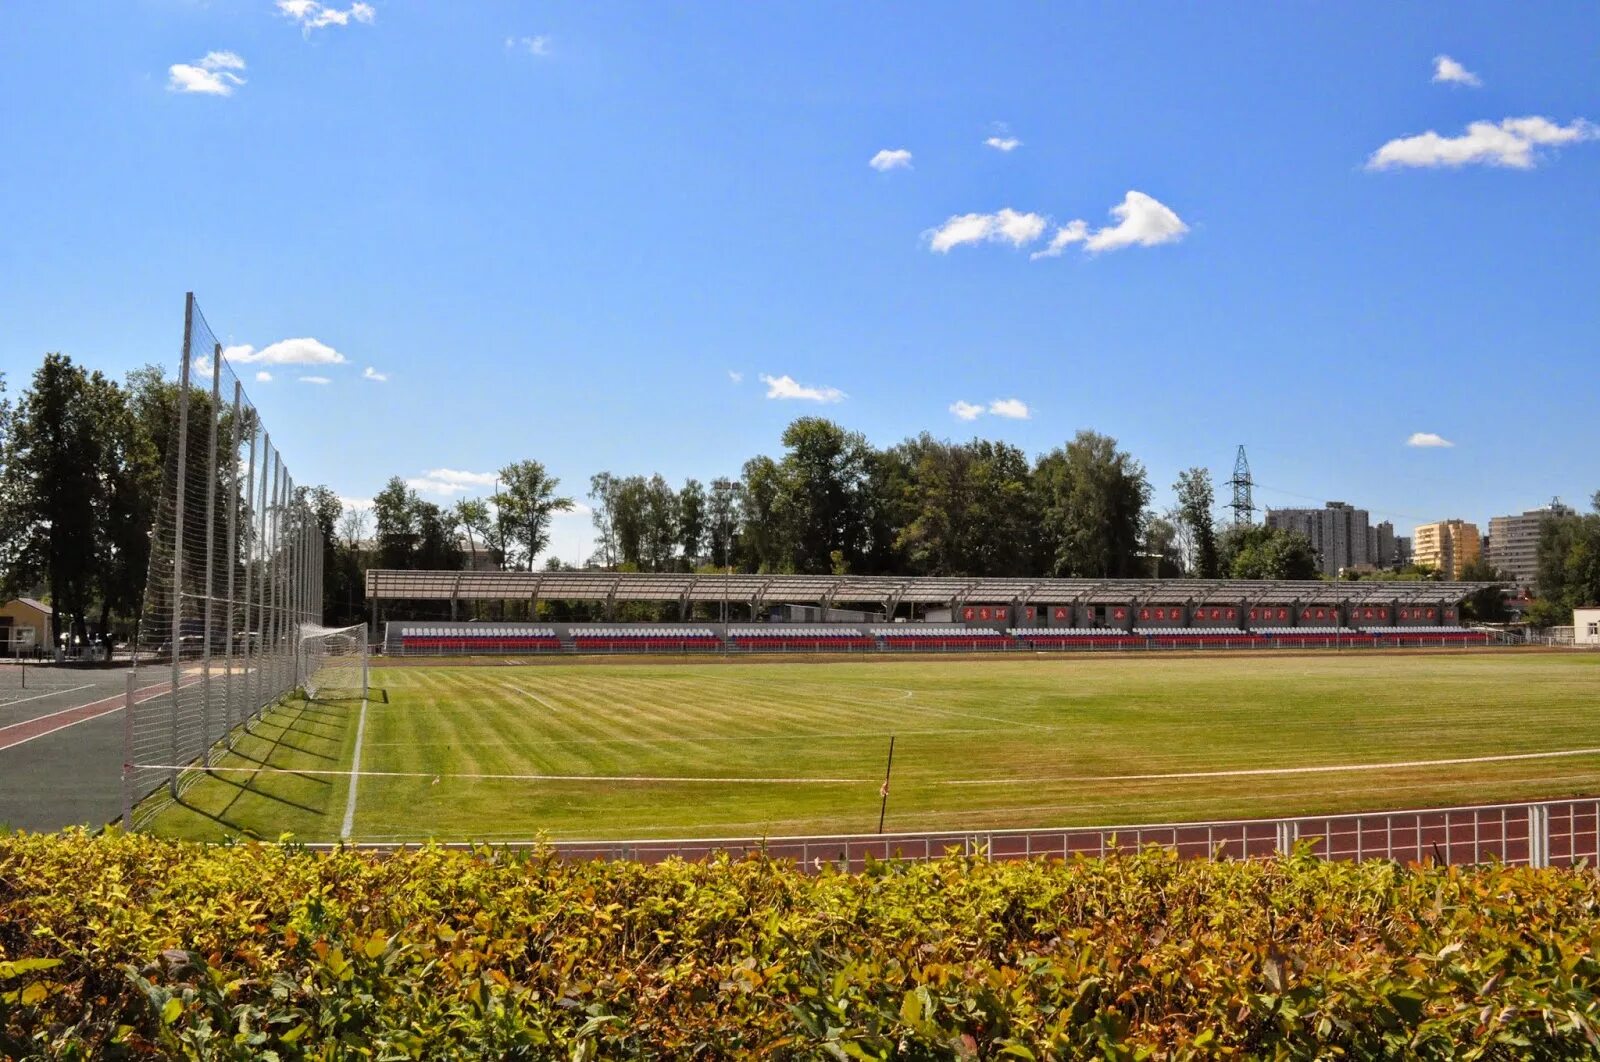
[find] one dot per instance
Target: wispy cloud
(369, 373)
(1142, 221)
(785, 388)
(304, 351)
(1003, 226)
(539, 45)
(1447, 71)
(361, 504)
(1066, 235)
(447, 481)
(1009, 408)
(966, 410)
(735, 376)
(1003, 143)
(1428, 439)
(215, 75)
(1510, 142)
(319, 380)
(263, 376)
(311, 15)
(890, 159)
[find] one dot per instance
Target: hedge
(128, 946)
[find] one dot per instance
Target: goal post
(332, 661)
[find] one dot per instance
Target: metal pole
(214, 416)
(229, 715)
(127, 753)
(248, 498)
(177, 538)
(883, 791)
(275, 619)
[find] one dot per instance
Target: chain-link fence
(235, 571)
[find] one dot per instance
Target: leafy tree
(660, 524)
(970, 508)
(692, 519)
(527, 505)
(1568, 573)
(1489, 603)
(1092, 500)
(394, 513)
(629, 501)
(602, 491)
(764, 534)
(1161, 546)
(1255, 551)
(821, 493)
(722, 521)
(53, 498)
(472, 516)
(1196, 499)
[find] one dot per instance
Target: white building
(1586, 626)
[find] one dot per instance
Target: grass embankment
(980, 744)
(130, 946)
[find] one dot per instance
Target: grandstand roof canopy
(831, 590)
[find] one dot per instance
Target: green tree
(660, 524)
(1092, 499)
(722, 521)
(603, 492)
(394, 514)
(527, 505)
(692, 520)
(1568, 566)
(53, 498)
(764, 533)
(629, 502)
(821, 497)
(1196, 499)
(1488, 604)
(1255, 551)
(472, 516)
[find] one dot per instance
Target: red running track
(28, 729)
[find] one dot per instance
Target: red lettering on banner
(967, 613)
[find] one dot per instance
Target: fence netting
(235, 573)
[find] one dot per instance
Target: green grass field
(739, 749)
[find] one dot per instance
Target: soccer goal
(332, 661)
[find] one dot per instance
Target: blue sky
(560, 231)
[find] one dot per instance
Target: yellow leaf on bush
(171, 1010)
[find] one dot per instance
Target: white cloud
(1070, 233)
(1509, 142)
(449, 481)
(1446, 70)
(312, 15)
(1003, 226)
(539, 45)
(887, 159)
(1141, 220)
(1428, 439)
(1003, 143)
(736, 377)
(263, 376)
(1010, 408)
(319, 380)
(215, 75)
(369, 373)
(785, 387)
(305, 351)
(966, 410)
(362, 504)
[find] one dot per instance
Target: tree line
(82, 463)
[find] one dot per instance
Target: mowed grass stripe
(1053, 721)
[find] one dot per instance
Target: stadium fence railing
(235, 573)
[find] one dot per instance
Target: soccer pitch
(647, 749)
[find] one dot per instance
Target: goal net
(332, 661)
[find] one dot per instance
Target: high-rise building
(1513, 543)
(1447, 545)
(1385, 549)
(1338, 532)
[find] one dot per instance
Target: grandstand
(928, 614)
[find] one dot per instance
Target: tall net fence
(235, 574)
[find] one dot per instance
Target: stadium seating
(1316, 637)
(644, 639)
(780, 638)
(914, 637)
(1075, 638)
(1198, 637)
(486, 638)
(1428, 636)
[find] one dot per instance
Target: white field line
(531, 696)
(121, 698)
(355, 776)
(48, 693)
(1259, 771)
(698, 779)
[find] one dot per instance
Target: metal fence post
(248, 498)
(177, 539)
(127, 752)
(1538, 835)
(229, 698)
(208, 621)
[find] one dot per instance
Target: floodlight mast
(1243, 506)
